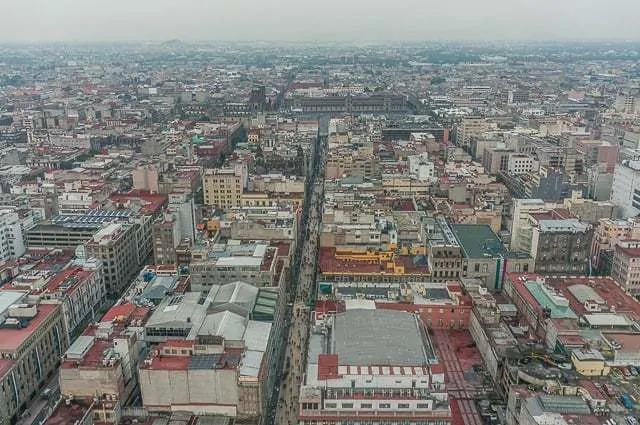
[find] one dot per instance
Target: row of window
(365, 406)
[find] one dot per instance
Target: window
(403, 405)
(385, 406)
(347, 405)
(330, 405)
(366, 405)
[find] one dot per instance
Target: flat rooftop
(379, 337)
(11, 339)
(477, 240)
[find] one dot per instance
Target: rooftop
(478, 240)
(380, 337)
(12, 338)
(68, 414)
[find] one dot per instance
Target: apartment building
(607, 234)
(470, 127)
(102, 363)
(223, 187)
(32, 340)
(518, 163)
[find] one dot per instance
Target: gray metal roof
(378, 337)
(256, 335)
(238, 293)
(229, 325)
(182, 311)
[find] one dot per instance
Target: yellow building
(589, 362)
(223, 187)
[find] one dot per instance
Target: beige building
(607, 235)
(468, 128)
(626, 266)
(146, 178)
(32, 339)
(223, 187)
(166, 237)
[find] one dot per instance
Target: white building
(367, 366)
(181, 205)
(11, 235)
(420, 167)
(625, 191)
(520, 163)
(520, 226)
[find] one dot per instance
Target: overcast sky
(318, 20)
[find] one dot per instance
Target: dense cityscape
(199, 233)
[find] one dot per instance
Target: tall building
(11, 235)
(118, 248)
(166, 237)
(374, 367)
(625, 191)
(223, 188)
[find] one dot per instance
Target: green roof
(477, 240)
(558, 311)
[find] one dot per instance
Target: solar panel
(207, 361)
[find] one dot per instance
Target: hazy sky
(318, 20)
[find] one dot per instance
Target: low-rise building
(379, 367)
(213, 264)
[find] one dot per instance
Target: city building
(79, 288)
(223, 188)
(560, 245)
(12, 238)
(145, 178)
(625, 191)
(32, 340)
(166, 238)
(119, 249)
(216, 263)
(626, 265)
(372, 365)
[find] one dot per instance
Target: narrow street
(303, 291)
